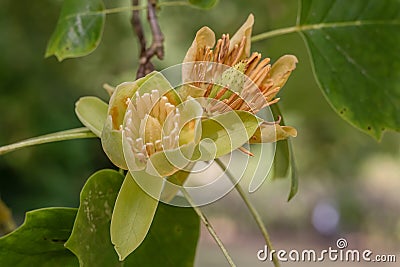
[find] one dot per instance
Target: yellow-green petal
(244, 30)
(205, 37)
(92, 112)
(111, 141)
(224, 133)
(281, 71)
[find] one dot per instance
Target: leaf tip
(121, 256)
(292, 194)
(51, 53)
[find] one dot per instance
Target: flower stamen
(151, 124)
(252, 62)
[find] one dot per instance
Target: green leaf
(284, 165)
(90, 238)
(92, 112)
(79, 29)
(224, 133)
(258, 167)
(133, 213)
(294, 180)
(205, 4)
(172, 228)
(171, 241)
(354, 51)
(40, 240)
(282, 162)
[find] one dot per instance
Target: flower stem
(319, 26)
(273, 33)
(252, 210)
(209, 227)
(78, 133)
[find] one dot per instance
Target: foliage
(78, 30)
(354, 60)
(44, 234)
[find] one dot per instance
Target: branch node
(157, 46)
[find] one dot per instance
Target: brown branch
(138, 28)
(156, 48)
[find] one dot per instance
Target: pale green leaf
(133, 214)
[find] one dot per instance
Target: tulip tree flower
(156, 131)
(148, 127)
(151, 132)
(247, 82)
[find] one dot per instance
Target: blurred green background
(345, 176)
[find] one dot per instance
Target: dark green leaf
(284, 164)
(281, 164)
(79, 29)
(90, 239)
(40, 240)
(294, 180)
(206, 4)
(171, 240)
(354, 49)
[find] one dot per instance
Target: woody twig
(156, 48)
